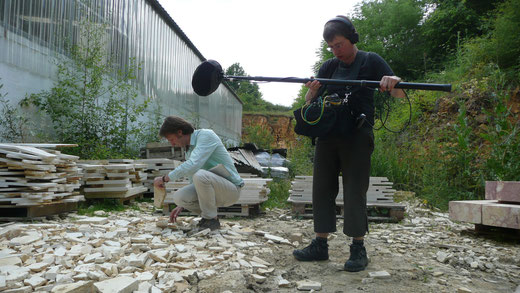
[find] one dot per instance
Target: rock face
(280, 126)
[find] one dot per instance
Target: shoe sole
(307, 259)
(353, 270)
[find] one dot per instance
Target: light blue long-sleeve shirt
(206, 151)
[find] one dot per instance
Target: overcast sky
(275, 38)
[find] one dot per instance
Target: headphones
(353, 37)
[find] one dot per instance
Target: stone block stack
(380, 201)
(500, 208)
(379, 191)
(117, 181)
(254, 192)
(37, 181)
(157, 168)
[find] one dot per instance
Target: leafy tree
(391, 28)
(249, 92)
(450, 22)
(260, 135)
(92, 103)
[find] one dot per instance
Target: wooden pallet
(236, 210)
(377, 212)
(18, 213)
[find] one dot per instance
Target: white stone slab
(78, 287)
(117, 285)
(307, 285)
(379, 275)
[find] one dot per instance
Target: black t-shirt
(373, 67)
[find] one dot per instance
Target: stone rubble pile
(424, 228)
(127, 252)
(137, 251)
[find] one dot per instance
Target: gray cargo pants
(207, 192)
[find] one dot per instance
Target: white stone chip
(283, 283)
(81, 286)
(379, 275)
(258, 278)
(307, 285)
(35, 281)
(93, 220)
(10, 261)
(117, 285)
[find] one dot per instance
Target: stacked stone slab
(254, 192)
(32, 176)
(119, 181)
(157, 168)
(161, 150)
(380, 190)
(501, 207)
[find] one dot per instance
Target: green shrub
(279, 193)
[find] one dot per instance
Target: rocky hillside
(280, 126)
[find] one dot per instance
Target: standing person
(207, 190)
(348, 153)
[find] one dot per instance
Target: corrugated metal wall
(35, 32)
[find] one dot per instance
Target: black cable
(384, 112)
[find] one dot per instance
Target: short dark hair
(172, 124)
(339, 27)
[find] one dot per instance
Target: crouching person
(214, 180)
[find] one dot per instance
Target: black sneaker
(317, 250)
(358, 260)
(212, 224)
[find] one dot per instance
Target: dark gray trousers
(351, 157)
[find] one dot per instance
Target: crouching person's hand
(175, 213)
(158, 182)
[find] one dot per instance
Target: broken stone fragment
(159, 256)
(259, 260)
(296, 237)
(379, 275)
(277, 239)
(25, 289)
(206, 274)
(17, 276)
(93, 220)
(35, 281)
(3, 284)
(10, 261)
(117, 285)
(307, 285)
(265, 272)
(283, 283)
(78, 287)
(145, 276)
(258, 278)
(29, 238)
